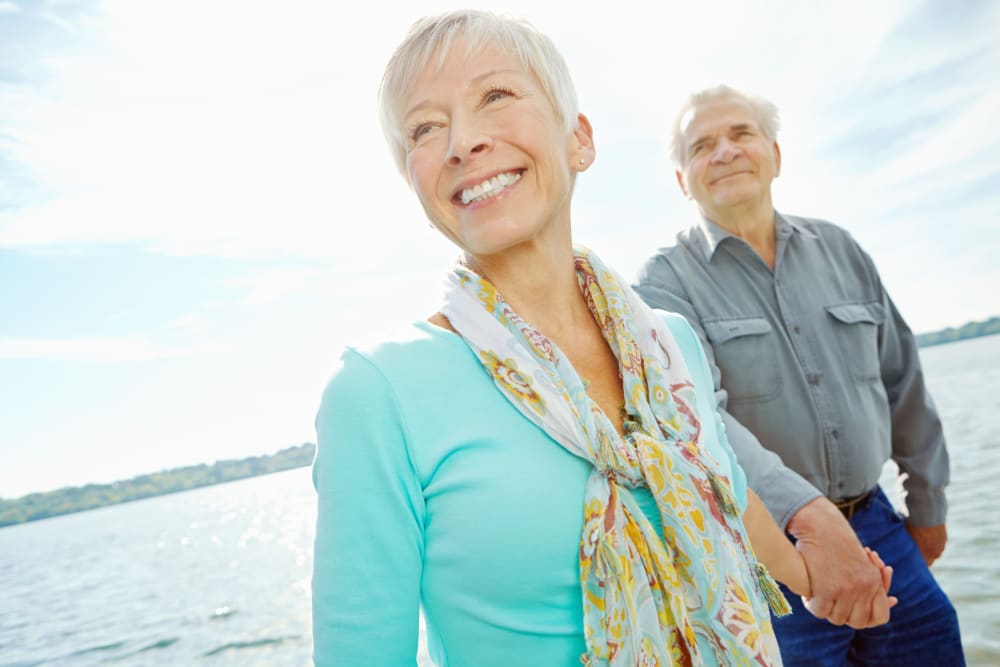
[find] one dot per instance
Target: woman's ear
(583, 153)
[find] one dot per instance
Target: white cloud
(231, 149)
(946, 146)
(100, 349)
(269, 285)
(7, 7)
(264, 143)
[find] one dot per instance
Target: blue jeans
(922, 630)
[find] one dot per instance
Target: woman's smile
(488, 189)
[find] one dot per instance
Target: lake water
(220, 576)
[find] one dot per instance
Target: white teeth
(489, 187)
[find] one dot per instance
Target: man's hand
(847, 587)
(930, 540)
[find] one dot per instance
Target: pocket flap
(853, 313)
(723, 330)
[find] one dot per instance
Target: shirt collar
(709, 235)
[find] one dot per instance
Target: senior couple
(557, 468)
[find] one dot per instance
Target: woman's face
(490, 161)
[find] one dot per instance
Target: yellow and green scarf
(686, 592)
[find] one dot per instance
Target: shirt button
(795, 328)
(813, 379)
(835, 433)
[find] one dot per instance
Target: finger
(887, 577)
(879, 611)
(862, 614)
(874, 557)
(887, 573)
(865, 609)
(820, 607)
(841, 613)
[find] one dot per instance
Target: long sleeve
(918, 445)
(782, 490)
(369, 535)
(702, 377)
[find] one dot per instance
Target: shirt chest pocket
(746, 354)
(856, 330)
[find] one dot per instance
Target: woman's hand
(788, 566)
(886, 572)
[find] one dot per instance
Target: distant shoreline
(38, 506)
(966, 331)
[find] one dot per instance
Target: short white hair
(764, 111)
(433, 37)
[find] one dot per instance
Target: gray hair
(435, 36)
(764, 111)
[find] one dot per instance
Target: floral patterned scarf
(686, 592)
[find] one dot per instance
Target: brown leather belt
(849, 506)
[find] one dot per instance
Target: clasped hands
(849, 584)
(856, 611)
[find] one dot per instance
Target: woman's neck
(540, 284)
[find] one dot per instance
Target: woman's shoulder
(403, 344)
(678, 325)
(672, 319)
(406, 355)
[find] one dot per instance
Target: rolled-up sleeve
(918, 445)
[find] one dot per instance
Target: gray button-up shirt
(816, 374)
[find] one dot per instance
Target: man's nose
(725, 151)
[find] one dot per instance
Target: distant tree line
(77, 499)
(970, 330)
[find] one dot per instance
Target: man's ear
(777, 159)
(583, 152)
(680, 181)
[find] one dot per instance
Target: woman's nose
(466, 142)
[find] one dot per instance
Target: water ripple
(256, 643)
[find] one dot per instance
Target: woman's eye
(495, 94)
(420, 130)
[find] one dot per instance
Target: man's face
(728, 163)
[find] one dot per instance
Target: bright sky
(197, 208)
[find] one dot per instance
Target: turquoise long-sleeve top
(435, 492)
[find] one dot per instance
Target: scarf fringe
(723, 494)
(769, 587)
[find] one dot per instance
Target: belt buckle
(849, 506)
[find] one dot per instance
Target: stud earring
(582, 161)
